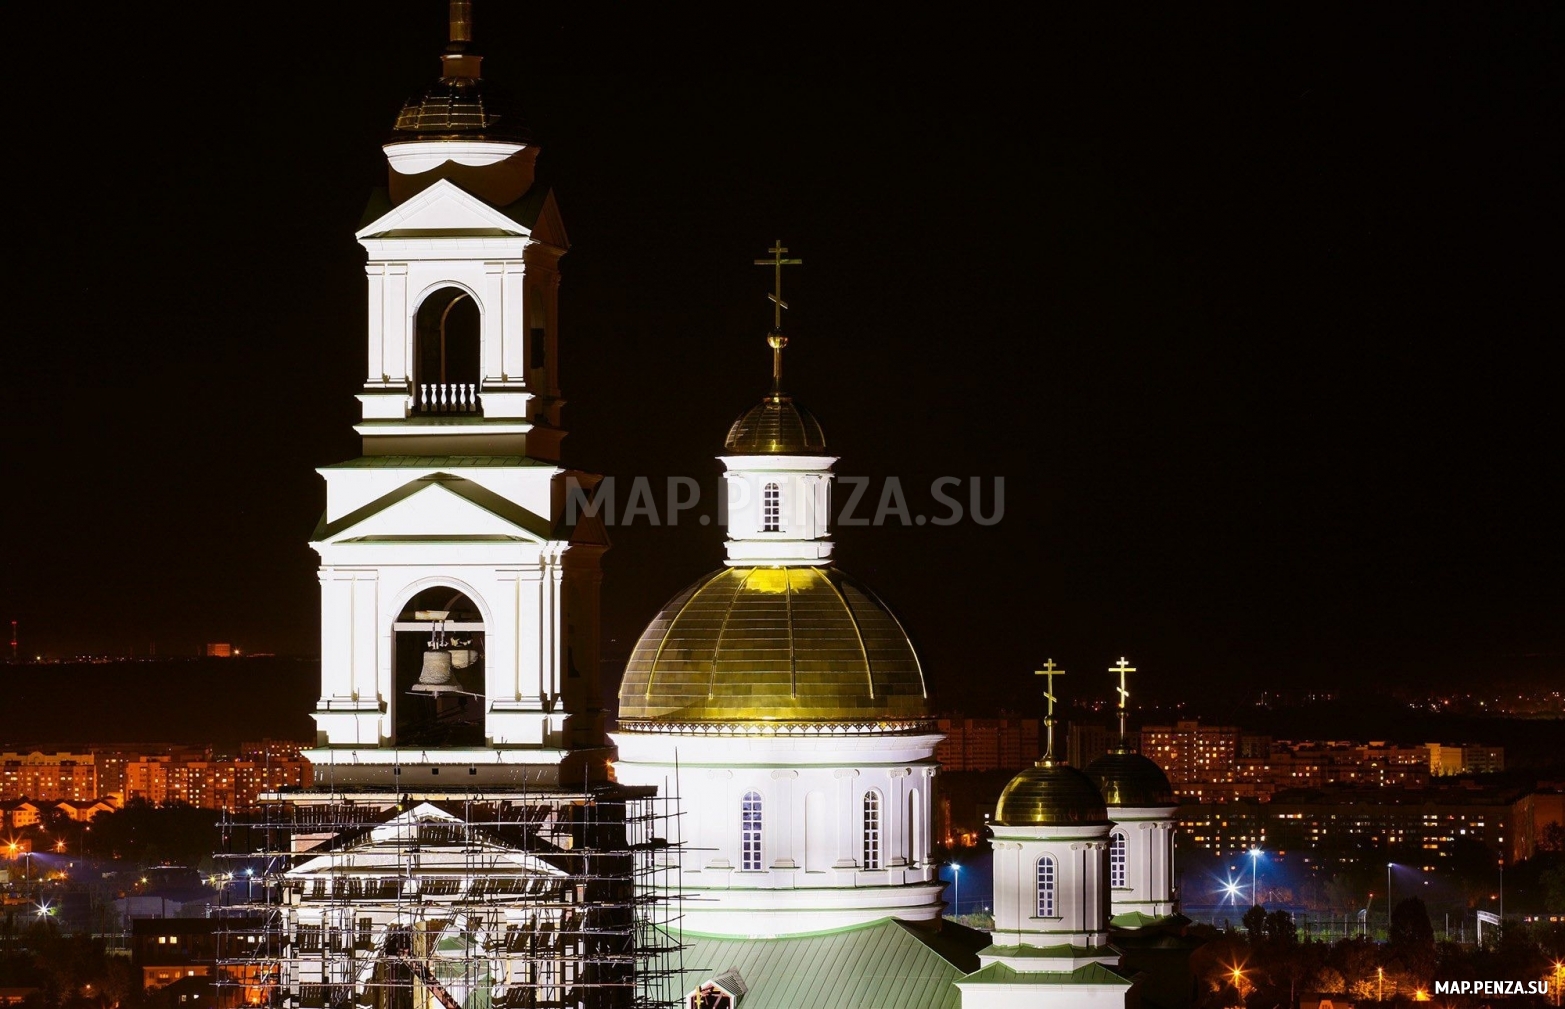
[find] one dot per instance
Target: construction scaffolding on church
(454, 900)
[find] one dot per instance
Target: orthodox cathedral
(480, 835)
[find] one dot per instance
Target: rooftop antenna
(775, 338)
(1049, 670)
(1122, 667)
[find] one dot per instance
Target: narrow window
(771, 508)
(1116, 860)
(1046, 887)
(750, 832)
(872, 830)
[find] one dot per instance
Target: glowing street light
(1389, 866)
(1255, 894)
(956, 888)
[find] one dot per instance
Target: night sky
(1254, 310)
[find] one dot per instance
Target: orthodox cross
(1122, 667)
(775, 339)
(1049, 670)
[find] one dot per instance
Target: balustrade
(447, 397)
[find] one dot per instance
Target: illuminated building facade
(231, 784)
(48, 776)
(1351, 822)
(987, 744)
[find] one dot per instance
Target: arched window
(447, 338)
(750, 832)
(872, 830)
(1117, 860)
(771, 508)
(1046, 887)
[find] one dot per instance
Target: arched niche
(438, 670)
(447, 352)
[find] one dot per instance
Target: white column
(366, 632)
(894, 819)
(397, 325)
(513, 354)
(336, 633)
(846, 818)
(554, 628)
(529, 637)
(492, 324)
(377, 322)
(779, 826)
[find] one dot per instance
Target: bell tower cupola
(778, 474)
(463, 248)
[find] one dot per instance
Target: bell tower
(459, 609)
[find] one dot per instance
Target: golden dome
(1050, 793)
(1129, 779)
(776, 426)
(773, 645)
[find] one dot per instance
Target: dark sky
(1254, 309)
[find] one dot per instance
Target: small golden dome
(786, 645)
(776, 426)
(1050, 793)
(1130, 780)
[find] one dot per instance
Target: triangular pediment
(437, 507)
(443, 209)
(443, 842)
(550, 226)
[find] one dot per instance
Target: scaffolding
(453, 900)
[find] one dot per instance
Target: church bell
(437, 668)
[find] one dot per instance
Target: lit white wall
(804, 485)
(812, 789)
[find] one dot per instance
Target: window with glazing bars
(872, 830)
(1116, 860)
(771, 508)
(750, 832)
(1046, 887)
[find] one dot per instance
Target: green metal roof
(1134, 919)
(883, 965)
(1092, 973)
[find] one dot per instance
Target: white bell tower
(459, 610)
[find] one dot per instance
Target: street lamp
(1255, 894)
(1388, 900)
(956, 886)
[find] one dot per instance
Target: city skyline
(1262, 368)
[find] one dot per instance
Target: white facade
(843, 832)
(1148, 868)
(1067, 904)
(458, 488)
(778, 509)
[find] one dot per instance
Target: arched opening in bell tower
(438, 669)
(446, 353)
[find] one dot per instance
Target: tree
(1329, 981)
(1553, 884)
(1281, 932)
(1255, 924)
(1410, 926)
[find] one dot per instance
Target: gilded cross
(775, 339)
(1049, 670)
(777, 262)
(1122, 667)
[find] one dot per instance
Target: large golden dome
(1050, 793)
(773, 645)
